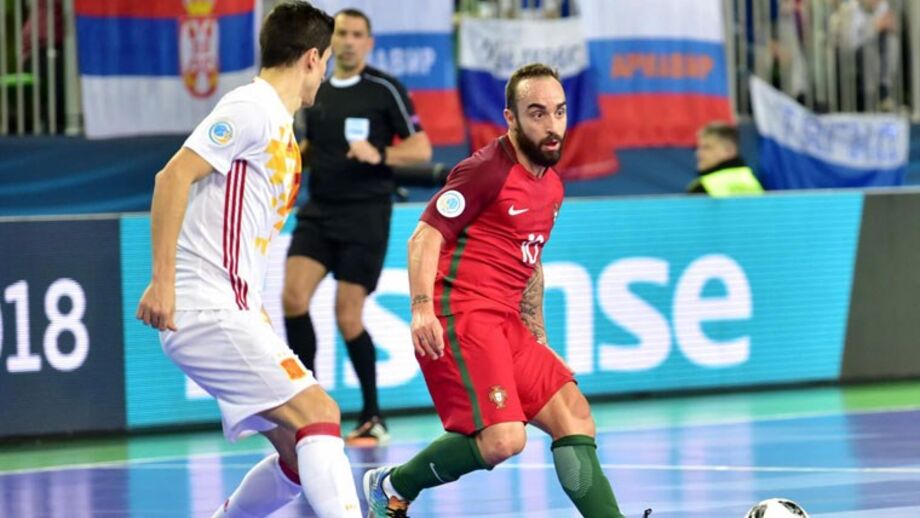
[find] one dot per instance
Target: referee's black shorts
(349, 239)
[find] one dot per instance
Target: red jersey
(495, 217)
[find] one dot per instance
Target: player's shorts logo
(498, 396)
(451, 204)
(293, 368)
(221, 133)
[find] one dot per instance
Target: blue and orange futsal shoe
(379, 505)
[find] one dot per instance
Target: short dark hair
(292, 28)
(722, 131)
(356, 13)
(526, 72)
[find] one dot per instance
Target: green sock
(446, 459)
(581, 477)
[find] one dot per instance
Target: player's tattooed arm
(420, 299)
(532, 305)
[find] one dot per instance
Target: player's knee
(313, 405)
(581, 416)
(327, 410)
(294, 302)
(348, 318)
(500, 445)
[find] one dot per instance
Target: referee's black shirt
(383, 102)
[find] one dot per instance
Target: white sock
(389, 490)
(326, 475)
(263, 490)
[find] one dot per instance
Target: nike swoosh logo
(514, 212)
(435, 472)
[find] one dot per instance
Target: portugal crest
(498, 396)
(198, 48)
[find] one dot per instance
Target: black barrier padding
(47, 384)
(883, 330)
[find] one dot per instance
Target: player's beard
(534, 150)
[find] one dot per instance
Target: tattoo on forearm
(420, 299)
(532, 305)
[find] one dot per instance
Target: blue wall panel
(641, 295)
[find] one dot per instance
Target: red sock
(288, 472)
(332, 429)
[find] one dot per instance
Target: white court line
(775, 417)
(904, 470)
(912, 470)
(123, 463)
(888, 512)
(254, 451)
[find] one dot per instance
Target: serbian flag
(160, 66)
(491, 50)
(801, 150)
(660, 66)
(413, 41)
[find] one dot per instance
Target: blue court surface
(841, 453)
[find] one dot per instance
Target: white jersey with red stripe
(235, 212)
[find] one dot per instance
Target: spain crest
(498, 396)
(199, 48)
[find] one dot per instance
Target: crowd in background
(830, 55)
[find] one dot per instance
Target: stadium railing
(834, 56)
(32, 82)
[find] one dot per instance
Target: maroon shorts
(493, 371)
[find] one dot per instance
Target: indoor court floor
(839, 452)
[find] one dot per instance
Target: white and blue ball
(777, 508)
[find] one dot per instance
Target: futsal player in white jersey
(216, 206)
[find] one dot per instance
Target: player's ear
(311, 58)
(509, 117)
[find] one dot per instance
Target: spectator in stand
(722, 171)
(865, 34)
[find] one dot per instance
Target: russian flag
(660, 66)
(490, 51)
(414, 42)
(801, 150)
(160, 66)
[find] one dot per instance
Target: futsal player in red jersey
(476, 283)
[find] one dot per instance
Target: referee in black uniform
(345, 226)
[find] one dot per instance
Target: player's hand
(363, 151)
(157, 307)
(427, 333)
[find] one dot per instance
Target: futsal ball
(776, 508)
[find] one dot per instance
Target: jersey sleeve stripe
(403, 109)
(243, 189)
(232, 186)
(227, 215)
(233, 208)
(242, 286)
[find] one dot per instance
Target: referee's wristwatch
(383, 155)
